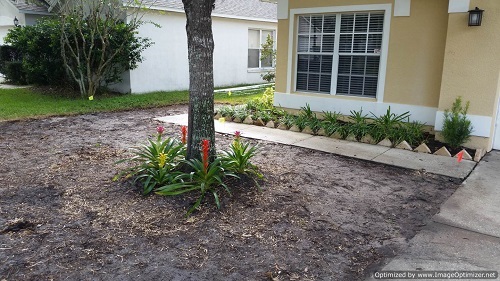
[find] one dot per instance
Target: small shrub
(14, 72)
(300, 122)
(307, 117)
(277, 113)
(306, 113)
(264, 115)
(457, 127)
(240, 113)
(314, 124)
(413, 133)
(205, 178)
(343, 131)
(358, 126)
(9, 55)
(330, 122)
(266, 101)
(237, 158)
(384, 126)
(288, 120)
(227, 111)
(157, 162)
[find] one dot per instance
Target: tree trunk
(201, 77)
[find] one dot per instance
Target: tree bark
(201, 77)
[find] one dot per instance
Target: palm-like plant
(384, 126)
(359, 126)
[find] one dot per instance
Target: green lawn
(26, 103)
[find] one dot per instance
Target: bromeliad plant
(237, 158)
(161, 167)
(206, 177)
(156, 162)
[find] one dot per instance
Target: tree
(99, 42)
(269, 55)
(201, 76)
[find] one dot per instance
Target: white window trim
(261, 68)
(387, 8)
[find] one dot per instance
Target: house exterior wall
(7, 14)
(472, 68)
(433, 57)
(414, 62)
(32, 19)
(166, 67)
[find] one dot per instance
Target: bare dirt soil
(319, 217)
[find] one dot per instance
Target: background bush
(38, 49)
(11, 64)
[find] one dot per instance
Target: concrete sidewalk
(440, 165)
(465, 234)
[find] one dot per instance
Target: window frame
(260, 67)
(293, 51)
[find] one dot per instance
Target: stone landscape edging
(422, 148)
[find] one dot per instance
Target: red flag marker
(460, 155)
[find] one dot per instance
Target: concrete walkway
(7, 86)
(242, 88)
(440, 165)
(465, 234)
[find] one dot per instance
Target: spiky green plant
(156, 163)
(384, 126)
(358, 125)
(330, 122)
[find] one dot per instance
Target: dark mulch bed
(320, 216)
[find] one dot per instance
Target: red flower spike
(160, 130)
(184, 133)
(205, 145)
(237, 134)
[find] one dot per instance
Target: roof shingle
(239, 8)
(34, 6)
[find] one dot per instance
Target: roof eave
(158, 8)
(35, 13)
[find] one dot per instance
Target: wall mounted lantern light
(16, 22)
(475, 17)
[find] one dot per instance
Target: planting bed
(319, 216)
(429, 145)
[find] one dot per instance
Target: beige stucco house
(411, 55)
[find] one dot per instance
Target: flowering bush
(161, 167)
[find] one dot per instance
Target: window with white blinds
(346, 46)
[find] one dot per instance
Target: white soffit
(402, 8)
(282, 9)
(458, 6)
